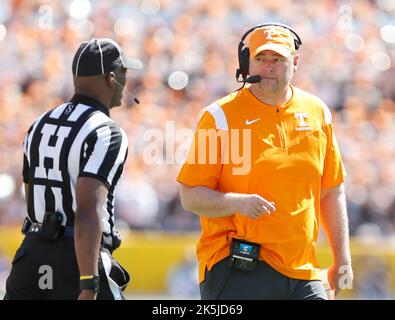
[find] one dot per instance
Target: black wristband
(91, 283)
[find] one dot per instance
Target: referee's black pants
(48, 270)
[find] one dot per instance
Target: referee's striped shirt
(76, 139)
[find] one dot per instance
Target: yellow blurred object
(149, 256)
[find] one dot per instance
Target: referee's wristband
(90, 283)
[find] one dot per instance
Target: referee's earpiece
(114, 80)
(111, 80)
(112, 75)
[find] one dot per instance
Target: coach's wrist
(342, 262)
(234, 201)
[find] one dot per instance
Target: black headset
(244, 52)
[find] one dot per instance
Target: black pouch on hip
(52, 225)
(244, 255)
(26, 225)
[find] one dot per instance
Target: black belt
(108, 241)
(37, 228)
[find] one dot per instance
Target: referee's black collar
(89, 101)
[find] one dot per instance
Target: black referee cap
(100, 56)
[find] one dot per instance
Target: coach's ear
(295, 62)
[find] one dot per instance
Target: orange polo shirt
(286, 154)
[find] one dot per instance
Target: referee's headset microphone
(244, 53)
(124, 89)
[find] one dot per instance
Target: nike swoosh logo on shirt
(252, 121)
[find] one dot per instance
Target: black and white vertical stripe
(65, 143)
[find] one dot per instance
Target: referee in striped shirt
(74, 156)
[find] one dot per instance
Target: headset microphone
(127, 92)
(253, 79)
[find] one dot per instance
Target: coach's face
(119, 81)
(275, 70)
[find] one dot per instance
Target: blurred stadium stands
(189, 49)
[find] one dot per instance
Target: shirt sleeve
(203, 165)
(104, 154)
(26, 168)
(334, 171)
(26, 164)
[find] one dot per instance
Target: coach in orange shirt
(263, 172)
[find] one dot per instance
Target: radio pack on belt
(52, 225)
(244, 255)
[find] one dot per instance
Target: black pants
(263, 283)
(48, 269)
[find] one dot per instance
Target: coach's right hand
(216, 204)
(87, 295)
(253, 206)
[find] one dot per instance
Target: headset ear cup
(244, 62)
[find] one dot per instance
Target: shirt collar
(89, 101)
(258, 102)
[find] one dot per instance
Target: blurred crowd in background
(189, 51)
